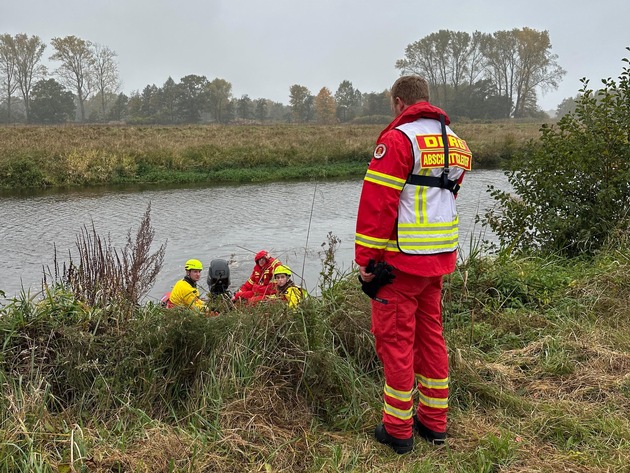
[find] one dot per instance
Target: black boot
(431, 436)
(400, 446)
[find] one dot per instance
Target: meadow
(73, 156)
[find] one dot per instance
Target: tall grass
(539, 351)
(58, 156)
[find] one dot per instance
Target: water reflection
(291, 220)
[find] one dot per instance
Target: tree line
(474, 76)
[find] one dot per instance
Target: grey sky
(264, 46)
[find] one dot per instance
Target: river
(290, 220)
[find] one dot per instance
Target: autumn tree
(300, 100)
(77, 67)
(27, 53)
(325, 107)
(106, 78)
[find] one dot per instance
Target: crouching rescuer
(406, 241)
(286, 289)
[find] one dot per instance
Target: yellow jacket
(184, 294)
(293, 295)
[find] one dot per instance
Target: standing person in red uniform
(407, 220)
(258, 286)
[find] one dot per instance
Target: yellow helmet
(193, 264)
(281, 269)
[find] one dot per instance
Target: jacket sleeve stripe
(370, 242)
(384, 179)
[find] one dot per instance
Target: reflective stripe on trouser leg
(393, 326)
(430, 357)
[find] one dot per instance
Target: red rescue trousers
(407, 328)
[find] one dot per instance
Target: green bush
(571, 188)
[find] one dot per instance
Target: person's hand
(365, 276)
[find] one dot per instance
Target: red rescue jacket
(378, 206)
(259, 281)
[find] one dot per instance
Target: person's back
(406, 241)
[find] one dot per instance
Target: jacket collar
(413, 113)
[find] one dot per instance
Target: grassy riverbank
(69, 156)
(540, 363)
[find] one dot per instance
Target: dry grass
(38, 156)
(269, 391)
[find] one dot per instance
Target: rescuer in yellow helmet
(185, 292)
(286, 289)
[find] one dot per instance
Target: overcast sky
(264, 46)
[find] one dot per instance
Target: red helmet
(261, 254)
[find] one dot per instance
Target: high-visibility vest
(427, 215)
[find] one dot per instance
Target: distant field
(72, 155)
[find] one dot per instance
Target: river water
(290, 220)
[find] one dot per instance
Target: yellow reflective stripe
(392, 245)
(404, 396)
(426, 233)
(384, 179)
(435, 402)
(430, 226)
(370, 242)
(399, 413)
(432, 383)
(429, 245)
(421, 195)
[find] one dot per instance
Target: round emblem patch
(380, 150)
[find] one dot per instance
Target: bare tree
(27, 52)
(538, 68)
(520, 62)
(8, 69)
(106, 79)
(77, 66)
(447, 59)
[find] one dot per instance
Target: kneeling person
(286, 289)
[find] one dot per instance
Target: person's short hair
(411, 89)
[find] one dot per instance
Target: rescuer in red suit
(258, 285)
(407, 228)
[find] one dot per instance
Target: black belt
(443, 182)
